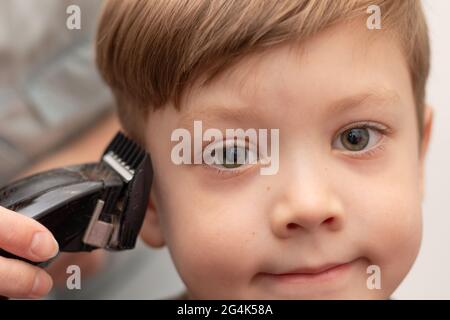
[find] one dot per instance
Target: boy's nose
(306, 205)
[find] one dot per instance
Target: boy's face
(340, 195)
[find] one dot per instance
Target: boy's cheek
(392, 238)
(213, 249)
(211, 263)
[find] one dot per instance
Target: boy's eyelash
(234, 172)
(230, 171)
(222, 172)
(367, 124)
(369, 153)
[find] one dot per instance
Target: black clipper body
(88, 206)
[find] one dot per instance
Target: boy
(344, 208)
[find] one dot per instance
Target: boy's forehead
(334, 70)
(233, 104)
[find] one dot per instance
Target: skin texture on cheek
(213, 244)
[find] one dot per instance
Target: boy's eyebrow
(368, 99)
(218, 112)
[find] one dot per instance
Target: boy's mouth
(320, 273)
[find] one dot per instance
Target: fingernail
(44, 246)
(42, 284)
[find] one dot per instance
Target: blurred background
(430, 277)
(55, 111)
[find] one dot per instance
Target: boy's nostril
(292, 226)
(329, 220)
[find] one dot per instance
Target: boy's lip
(320, 272)
(313, 270)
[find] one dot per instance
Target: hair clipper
(88, 206)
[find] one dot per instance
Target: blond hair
(150, 52)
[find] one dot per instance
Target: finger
(25, 237)
(19, 279)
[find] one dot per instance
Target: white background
(430, 276)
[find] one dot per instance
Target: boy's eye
(231, 157)
(359, 138)
(228, 155)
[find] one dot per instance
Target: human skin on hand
(24, 237)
